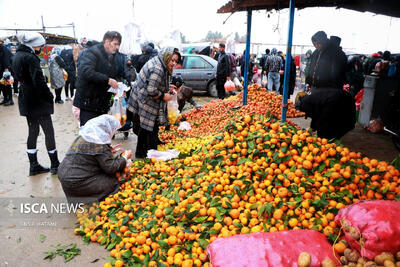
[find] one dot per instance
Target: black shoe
(5, 99)
(35, 167)
(10, 102)
(54, 162)
(59, 101)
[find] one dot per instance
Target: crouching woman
(88, 169)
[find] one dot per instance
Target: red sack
(378, 223)
(270, 249)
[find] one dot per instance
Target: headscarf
(100, 130)
(166, 55)
(54, 53)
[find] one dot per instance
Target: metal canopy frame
(384, 7)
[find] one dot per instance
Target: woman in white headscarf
(57, 81)
(88, 169)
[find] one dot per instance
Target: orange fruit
(339, 247)
(119, 263)
(283, 192)
(234, 213)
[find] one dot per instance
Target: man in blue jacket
(97, 72)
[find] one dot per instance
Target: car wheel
(212, 89)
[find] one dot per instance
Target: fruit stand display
(255, 175)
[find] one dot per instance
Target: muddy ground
(21, 244)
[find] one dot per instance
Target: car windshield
(197, 63)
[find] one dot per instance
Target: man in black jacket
(331, 108)
(97, 71)
(223, 71)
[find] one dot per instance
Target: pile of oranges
(213, 117)
(257, 175)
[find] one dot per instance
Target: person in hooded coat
(355, 75)
(292, 79)
(143, 58)
(308, 62)
(57, 65)
(149, 97)
(331, 108)
(5, 64)
(88, 169)
(35, 100)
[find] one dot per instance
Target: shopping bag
(173, 109)
(118, 111)
(264, 81)
(237, 83)
(229, 86)
(119, 92)
(65, 74)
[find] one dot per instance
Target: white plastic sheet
(184, 126)
(131, 39)
(172, 39)
(230, 44)
(162, 155)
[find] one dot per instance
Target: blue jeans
(273, 80)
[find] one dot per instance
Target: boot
(54, 162)
(4, 97)
(35, 167)
(9, 98)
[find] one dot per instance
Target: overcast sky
(363, 32)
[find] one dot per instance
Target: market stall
(246, 189)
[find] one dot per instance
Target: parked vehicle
(198, 72)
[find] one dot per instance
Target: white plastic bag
(173, 109)
(229, 86)
(264, 81)
(119, 92)
(118, 110)
(237, 83)
(162, 155)
(184, 126)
